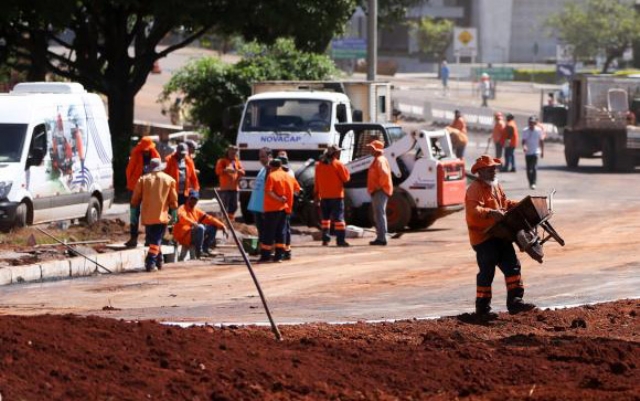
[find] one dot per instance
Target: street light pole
(372, 40)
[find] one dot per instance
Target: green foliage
(433, 36)
(547, 76)
(213, 146)
(599, 27)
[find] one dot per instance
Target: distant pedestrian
(229, 171)
(444, 76)
(510, 144)
(156, 193)
(458, 133)
(330, 177)
(256, 201)
(497, 136)
(533, 146)
(164, 145)
(380, 187)
(180, 166)
(138, 165)
(196, 230)
(485, 88)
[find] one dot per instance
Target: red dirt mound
(585, 353)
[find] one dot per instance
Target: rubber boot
(133, 241)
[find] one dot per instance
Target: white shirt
(532, 138)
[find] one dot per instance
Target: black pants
(274, 235)
(532, 168)
(489, 254)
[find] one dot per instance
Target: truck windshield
(11, 142)
(284, 115)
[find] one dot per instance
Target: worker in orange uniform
(293, 189)
(180, 166)
(279, 190)
(510, 143)
(486, 204)
(195, 229)
(229, 171)
(138, 165)
(156, 192)
(330, 177)
(380, 187)
(497, 135)
(458, 133)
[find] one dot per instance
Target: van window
(13, 136)
(39, 138)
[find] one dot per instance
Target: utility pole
(372, 40)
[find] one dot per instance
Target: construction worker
(510, 143)
(278, 196)
(164, 145)
(486, 204)
(156, 192)
(229, 171)
(458, 132)
(180, 166)
(138, 165)
(330, 177)
(256, 201)
(293, 188)
(196, 230)
(497, 135)
(380, 187)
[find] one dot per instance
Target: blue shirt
(256, 202)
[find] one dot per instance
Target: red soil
(584, 353)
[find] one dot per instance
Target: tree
(433, 36)
(597, 27)
(110, 46)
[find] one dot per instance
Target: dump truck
(601, 122)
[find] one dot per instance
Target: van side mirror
(357, 116)
(36, 155)
(341, 113)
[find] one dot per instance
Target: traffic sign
(349, 48)
(565, 70)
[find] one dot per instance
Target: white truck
(55, 155)
(300, 116)
(429, 181)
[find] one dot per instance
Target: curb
(118, 262)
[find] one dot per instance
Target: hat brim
(161, 167)
(492, 163)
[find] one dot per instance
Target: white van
(55, 155)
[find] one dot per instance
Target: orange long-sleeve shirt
(330, 179)
(135, 167)
(511, 133)
(229, 179)
(191, 180)
(379, 176)
(187, 216)
(480, 199)
(498, 132)
(282, 184)
(157, 193)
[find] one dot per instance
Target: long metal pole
(372, 40)
(274, 326)
(73, 249)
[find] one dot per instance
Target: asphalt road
(420, 275)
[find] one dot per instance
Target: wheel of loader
(398, 212)
(571, 154)
(608, 154)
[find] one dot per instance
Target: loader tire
(398, 212)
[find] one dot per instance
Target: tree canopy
(596, 27)
(433, 36)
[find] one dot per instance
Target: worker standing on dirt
(486, 204)
(138, 165)
(330, 177)
(458, 133)
(278, 198)
(293, 188)
(380, 187)
(510, 143)
(533, 147)
(195, 229)
(229, 171)
(256, 201)
(156, 192)
(180, 166)
(497, 135)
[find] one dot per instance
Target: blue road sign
(349, 48)
(565, 70)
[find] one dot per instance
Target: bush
(547, 76)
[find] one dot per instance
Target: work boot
(484, 312)
(517, 305)
(159, 261)
(132, 242)
(343, 244)
(378, 242)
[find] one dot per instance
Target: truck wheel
(608, 154)
(21, 216)
(398, 212)
(93, 211)
(571, 154)
(247, 216)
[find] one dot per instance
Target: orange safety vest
(511, 126)
(379, 176)
(191, 178)
(479, 200)
(330, 179)
(135, 167)
(187, 216)
(229, 181)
